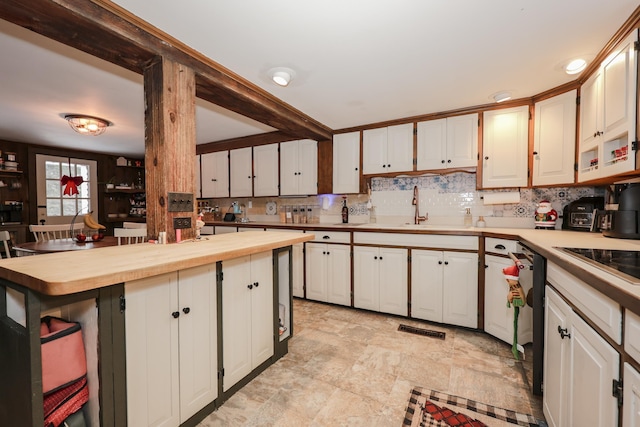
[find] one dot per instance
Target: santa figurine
(516, 298)
(545, 215)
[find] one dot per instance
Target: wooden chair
(43, 233)
(5, 238)
(134, 224)
(130, 235)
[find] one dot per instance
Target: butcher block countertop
(77, 271)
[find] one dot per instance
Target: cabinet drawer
(500, 246)
(598, 308)
(438, 241)
(632, 335)
(331, 236)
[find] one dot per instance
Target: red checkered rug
(434, 408)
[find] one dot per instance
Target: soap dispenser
(468, 219)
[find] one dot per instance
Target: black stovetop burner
(624, 264)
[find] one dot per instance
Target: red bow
(70, 184)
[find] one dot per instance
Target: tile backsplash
(444, 197)
(448, 196)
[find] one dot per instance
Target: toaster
(584, 214)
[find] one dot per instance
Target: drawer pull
(502, 247)
(326, 237)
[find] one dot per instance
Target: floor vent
(420, 331)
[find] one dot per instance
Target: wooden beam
(246, 141)
(107, 31)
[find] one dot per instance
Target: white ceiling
(356, 62)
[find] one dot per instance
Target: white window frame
(91, 186)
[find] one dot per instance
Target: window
(54, 207)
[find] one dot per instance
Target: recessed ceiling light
(575, 66)
(281, 76)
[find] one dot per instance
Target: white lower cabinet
(444, 287)
(171, 342)
(579, 367)
(247, 315)
(328, 273)
(498, 318)
(631, 399)
(380, 279)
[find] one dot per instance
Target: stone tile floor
(348, 367)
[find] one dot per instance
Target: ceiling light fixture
(281, 76)
(575, 66)
(502, 96)
(87, 125)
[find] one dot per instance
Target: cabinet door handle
(563, 332)
(213, 179)
(186, 310)
(250, 286)
(175, 314)
(535, 153)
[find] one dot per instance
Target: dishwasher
(533, 271)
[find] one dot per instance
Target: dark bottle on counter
(345, 211)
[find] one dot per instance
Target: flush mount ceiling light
(281, 76)
(502, 96)
(87, 125)
(575, 66)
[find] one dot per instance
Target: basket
(63, 354)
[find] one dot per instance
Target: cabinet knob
(250, 286)
(389, 165)
(486, 157)
(375, 257)
(535, 153)
(384, 166)
(563, 332)
(328, 252)
(175, 314)
(356, 168)
(446, 263)
(442, 161)
(439, 262)
(324, 252)
(186, 310)
(249, 177)
(380, 258)
(448, 161)
(256, 284)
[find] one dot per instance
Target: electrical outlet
(181, 223)
(180, 202)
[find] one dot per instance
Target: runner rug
(433, 408)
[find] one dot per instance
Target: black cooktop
(624, 264)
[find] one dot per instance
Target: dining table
(62, 245)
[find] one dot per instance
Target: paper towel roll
(501, 198)
(325, 203)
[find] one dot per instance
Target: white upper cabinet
(505, 147)
(388, 149)
(448, 143)
(608, 116)
(346, 163)
(241, 172)
(554, 140)
(265, 168)
(299, 167)
(215, 174)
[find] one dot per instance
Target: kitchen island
(91, 287)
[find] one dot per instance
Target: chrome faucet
(416, 202)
